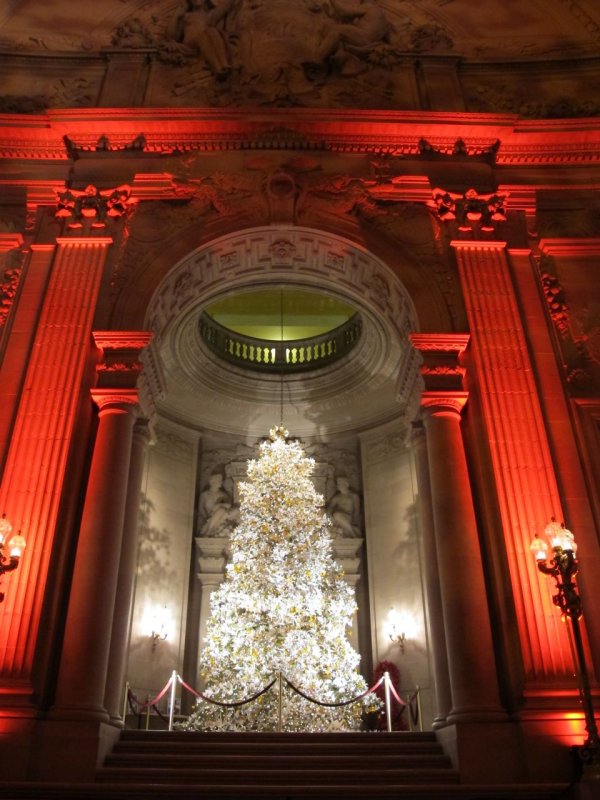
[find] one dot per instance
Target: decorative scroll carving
(514, 99)
(469, 212)
(555, 298)
(9, 281)
(92, 205)
(580, 337)
(385, 446)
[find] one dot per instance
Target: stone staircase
(153, 765)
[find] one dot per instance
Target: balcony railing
(291, 356)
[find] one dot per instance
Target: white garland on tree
(283, 607)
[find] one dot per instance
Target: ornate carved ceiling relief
(346, 53)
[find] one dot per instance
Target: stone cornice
(570, 247)
(122, 340)
(440, 342)
(173, 131)
(9, 241)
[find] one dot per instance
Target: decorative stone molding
(10, 271)
(441, 369)
(120, 365)
(444, 402)
(384, 446)
(238, 260)
(189, 131)
(92, 206)
(469, 212)
(114, 398)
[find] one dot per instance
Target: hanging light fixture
(16, 545)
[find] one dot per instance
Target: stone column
(122, 616)
(469, 645)
(83, 667)
(435, 612)
(470, 649)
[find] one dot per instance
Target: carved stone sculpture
(344, 510)
(217, 512)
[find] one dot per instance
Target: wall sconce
(16, 546)
(160, 626)
(400, 627)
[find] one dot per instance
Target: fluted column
(84, 662)
(122, 615)
(36, 461)
(470, 649)
(522, 462)
(435, 613)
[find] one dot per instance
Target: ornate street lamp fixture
(15, 549)
(563, 568)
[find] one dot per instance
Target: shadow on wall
(153, 565)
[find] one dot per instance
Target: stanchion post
(147, 712)
(419, 708)
(280, 703)
(125, 701)
(388, 710)
(172, 698)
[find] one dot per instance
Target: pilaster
(525, 481)
(36, 460)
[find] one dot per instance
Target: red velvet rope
(334, 705)
(219, 703)
(150, 703)
(396, 695)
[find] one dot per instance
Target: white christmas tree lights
(283, 608)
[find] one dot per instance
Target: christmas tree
(283, 607)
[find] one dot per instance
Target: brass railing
(291, 356)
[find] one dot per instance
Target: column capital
(124, 399)
(120, 365)
(441, 368)
(444, 403)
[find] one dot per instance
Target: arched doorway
(208, 414)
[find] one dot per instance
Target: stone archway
(353, 416)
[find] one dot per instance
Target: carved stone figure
(201, 30)
(358, 27)
(344, 510)
(216, 509)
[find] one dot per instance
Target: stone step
(358, 791)
(354, 749)
(284, 777)
(271, 761)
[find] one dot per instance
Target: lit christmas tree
(283, 607)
